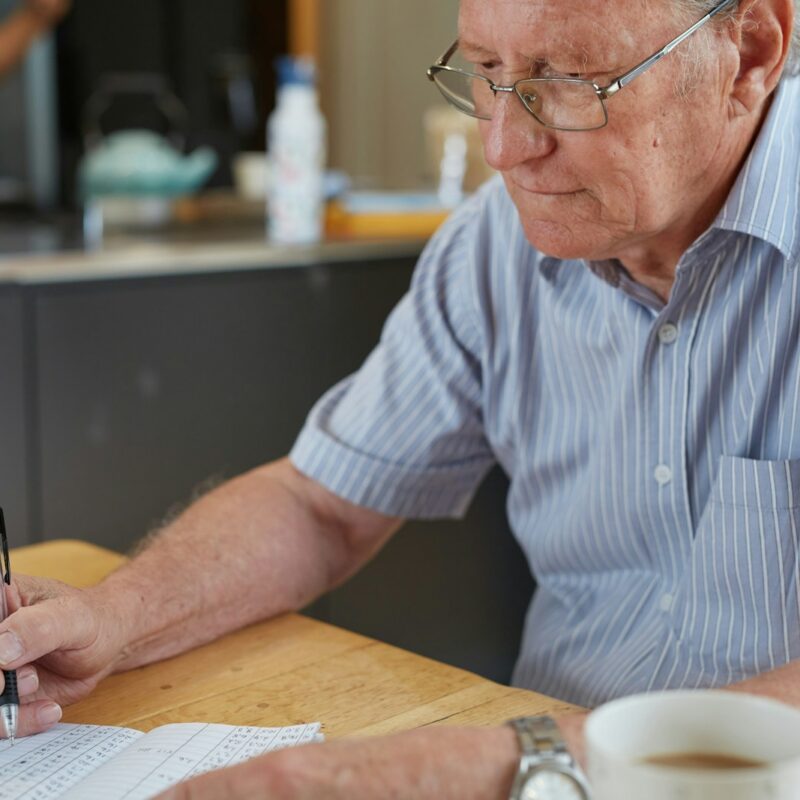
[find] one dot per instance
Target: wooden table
(289, 670)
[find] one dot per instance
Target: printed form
(94, 762)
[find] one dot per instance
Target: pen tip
(12, 740)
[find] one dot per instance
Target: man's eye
(557, 73)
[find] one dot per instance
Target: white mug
(622, 734)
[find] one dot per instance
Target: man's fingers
(35, 631)
(33, 590)
(37, 717)
(28, 687)
(13, 599)
(11, 649)
(27, 681)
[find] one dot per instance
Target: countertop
(46, 251)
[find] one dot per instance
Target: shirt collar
(765, 199)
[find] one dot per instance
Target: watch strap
(540, 738)
(541, 745)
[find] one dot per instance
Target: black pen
(9, 700)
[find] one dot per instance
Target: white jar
(296, 135)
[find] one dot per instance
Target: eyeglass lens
(572, 105)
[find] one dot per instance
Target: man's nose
(513, 135)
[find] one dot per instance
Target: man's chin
(558, 240)
(559, 225)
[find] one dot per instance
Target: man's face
(625, 189)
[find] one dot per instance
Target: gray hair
(694, 7)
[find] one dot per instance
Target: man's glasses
(566, 104)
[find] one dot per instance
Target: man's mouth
(543, 189)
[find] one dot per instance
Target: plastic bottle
(453, 170)
(296, 136)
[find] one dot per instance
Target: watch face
(551, 785)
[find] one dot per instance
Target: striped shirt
(653, 449)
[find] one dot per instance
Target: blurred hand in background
(20, 29)
(49, 11)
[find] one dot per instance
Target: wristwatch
(546, 769)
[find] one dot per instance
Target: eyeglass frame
(603, 92)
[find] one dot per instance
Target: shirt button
(667, 333)
(662, 474)
(665, 604)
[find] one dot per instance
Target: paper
(92, 762)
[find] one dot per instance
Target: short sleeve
(405, 434)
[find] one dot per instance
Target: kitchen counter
(43, 252)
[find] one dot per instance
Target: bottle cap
(295, 71)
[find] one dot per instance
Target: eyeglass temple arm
(635, 72)
(443, 58)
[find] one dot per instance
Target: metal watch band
(542, 745)
(540, 737)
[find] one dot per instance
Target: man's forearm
(251, 549)
(782, 684)
(432, 762)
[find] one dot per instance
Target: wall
(374, 54)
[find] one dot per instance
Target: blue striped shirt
(653, 448)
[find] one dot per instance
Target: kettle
(143, 163)
(137, 162)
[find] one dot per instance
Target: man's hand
(435, 763)
(62, 644)
(48, 12)
(571, 727)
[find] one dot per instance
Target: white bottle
(452, 170)
(296, 135)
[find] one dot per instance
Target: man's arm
(441, 763)
(261, 544)
(266, 542)
(431, 763)
(782, 683)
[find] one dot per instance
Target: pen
(9, 699)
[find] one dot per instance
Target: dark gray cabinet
(150, 388)
(16, 468)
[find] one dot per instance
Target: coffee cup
(694, 745)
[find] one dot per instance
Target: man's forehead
(587, 29)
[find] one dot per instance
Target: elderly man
(616, 323)
(21, 29)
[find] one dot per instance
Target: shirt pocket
(738, 609)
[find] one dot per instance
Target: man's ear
(763, 35)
